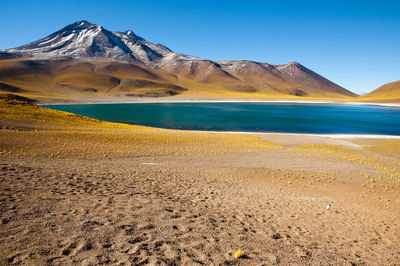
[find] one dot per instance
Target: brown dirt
(194, 210)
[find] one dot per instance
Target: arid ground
(75, 190)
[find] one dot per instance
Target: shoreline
(265, 134)
(334, 136)
(207, 100)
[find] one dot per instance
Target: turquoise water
(256, 117)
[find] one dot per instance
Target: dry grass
(31, 130)
(389, 92)
(387, 148)
(383, 174)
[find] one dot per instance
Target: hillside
(86, 61)
(389, 92)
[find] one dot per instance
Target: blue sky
(355, 44)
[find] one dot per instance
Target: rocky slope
(86, 60)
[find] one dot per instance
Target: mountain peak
(83, 39)
(133, 35)
(83, 24)
(294, 63)
(290, 64)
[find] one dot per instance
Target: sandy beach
(76, 190)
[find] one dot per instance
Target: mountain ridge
(84, 41)
(387, 92)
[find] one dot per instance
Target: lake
(254, 117)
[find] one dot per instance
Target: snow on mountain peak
(87, 41)
(83, 39)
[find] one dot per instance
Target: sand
(192, 210)
(102, 193)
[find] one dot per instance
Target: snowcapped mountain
(122, 60)
(85, 40)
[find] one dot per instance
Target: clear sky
(355, 44)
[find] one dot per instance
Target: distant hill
(389, 92)
(84, 60)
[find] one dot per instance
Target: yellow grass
(389, 92)
(31, 130)
(386, 170)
